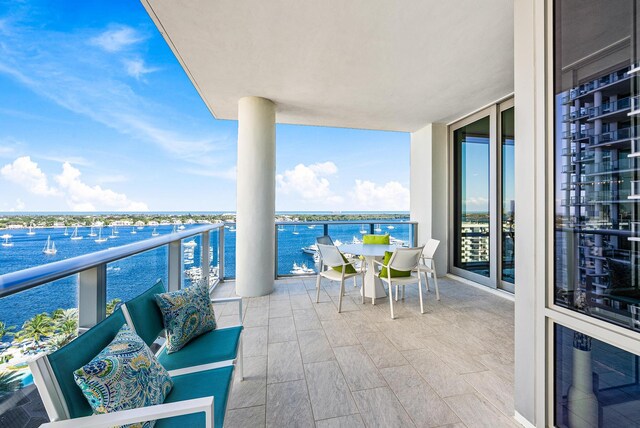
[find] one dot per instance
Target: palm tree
(61, 316)
(6, 330)
(36, 328)
(68, 328)
(9, 382)
(112, 305)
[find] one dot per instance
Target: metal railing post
(204, 257)
(371, 228)
(92, 296)
(414, 231)
(221, 254)
(275, 264)
(174, 264)
(325, 229)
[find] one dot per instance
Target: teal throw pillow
(376, 239)
(349, 268)
(394, 273)
(187, 314)
(124, 375)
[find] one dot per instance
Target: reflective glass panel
(471, 203)
(508, 195)
(596, 209)
(596, 384)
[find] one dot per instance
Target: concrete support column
(256, 193)
(429, 188)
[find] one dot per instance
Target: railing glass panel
(130, 276)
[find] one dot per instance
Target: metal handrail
(332, 222)
(15, 282)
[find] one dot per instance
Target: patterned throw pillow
(187, 313)
(124, 375)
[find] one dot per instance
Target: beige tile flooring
(307, 365)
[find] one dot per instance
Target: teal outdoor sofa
(217, 348)
(202, 376)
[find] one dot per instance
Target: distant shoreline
(62, 220)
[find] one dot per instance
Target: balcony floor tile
(306, 364)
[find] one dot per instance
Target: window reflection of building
(597, 132)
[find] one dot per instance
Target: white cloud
(117, 39)
(391, 196)
(20, 206)
(309, 182)
(82, 197)
(137, 68)
(26, 173)
(86, 81)
(477, 203)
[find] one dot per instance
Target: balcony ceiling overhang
(372, 64)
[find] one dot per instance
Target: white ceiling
(373, 64)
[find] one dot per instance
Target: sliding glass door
(483, 230)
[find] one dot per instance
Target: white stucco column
(256, 196)
(429, 191)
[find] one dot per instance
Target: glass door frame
(495, 196)
(504, 285)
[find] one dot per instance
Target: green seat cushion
(145, 314)
(187, 314)
(212, 347)
(124, 375)
(216, 383)
(76, 354)
(349, 267)
(376, 239)
(394, 273)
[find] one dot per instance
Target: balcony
(306, 363)
(293, 345)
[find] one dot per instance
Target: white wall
(429, 188)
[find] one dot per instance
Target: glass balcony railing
(44, 307)
(595, 84)
(295, 241)
(610, 166)
(610, 107)
(617, 135)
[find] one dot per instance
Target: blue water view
(128, 277)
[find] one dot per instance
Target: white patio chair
(326, 240)
(331, 258)
(404, 260)
(428, 264)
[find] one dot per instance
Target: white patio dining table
(372, 285)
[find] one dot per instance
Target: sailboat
(155, 232)
(6, 242)
(363, 230)
(50, 247)
(311, 226)
(133, 231)
(378, 228)
(113, 233)
(281, 228)
(295, 230)
(92, 233)
(100, 238)
(174, 229)
(31, 232)
(75, 236)
(66, 231)
(390, 227)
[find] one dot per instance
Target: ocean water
(129, 277)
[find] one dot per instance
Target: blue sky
(96, 114)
